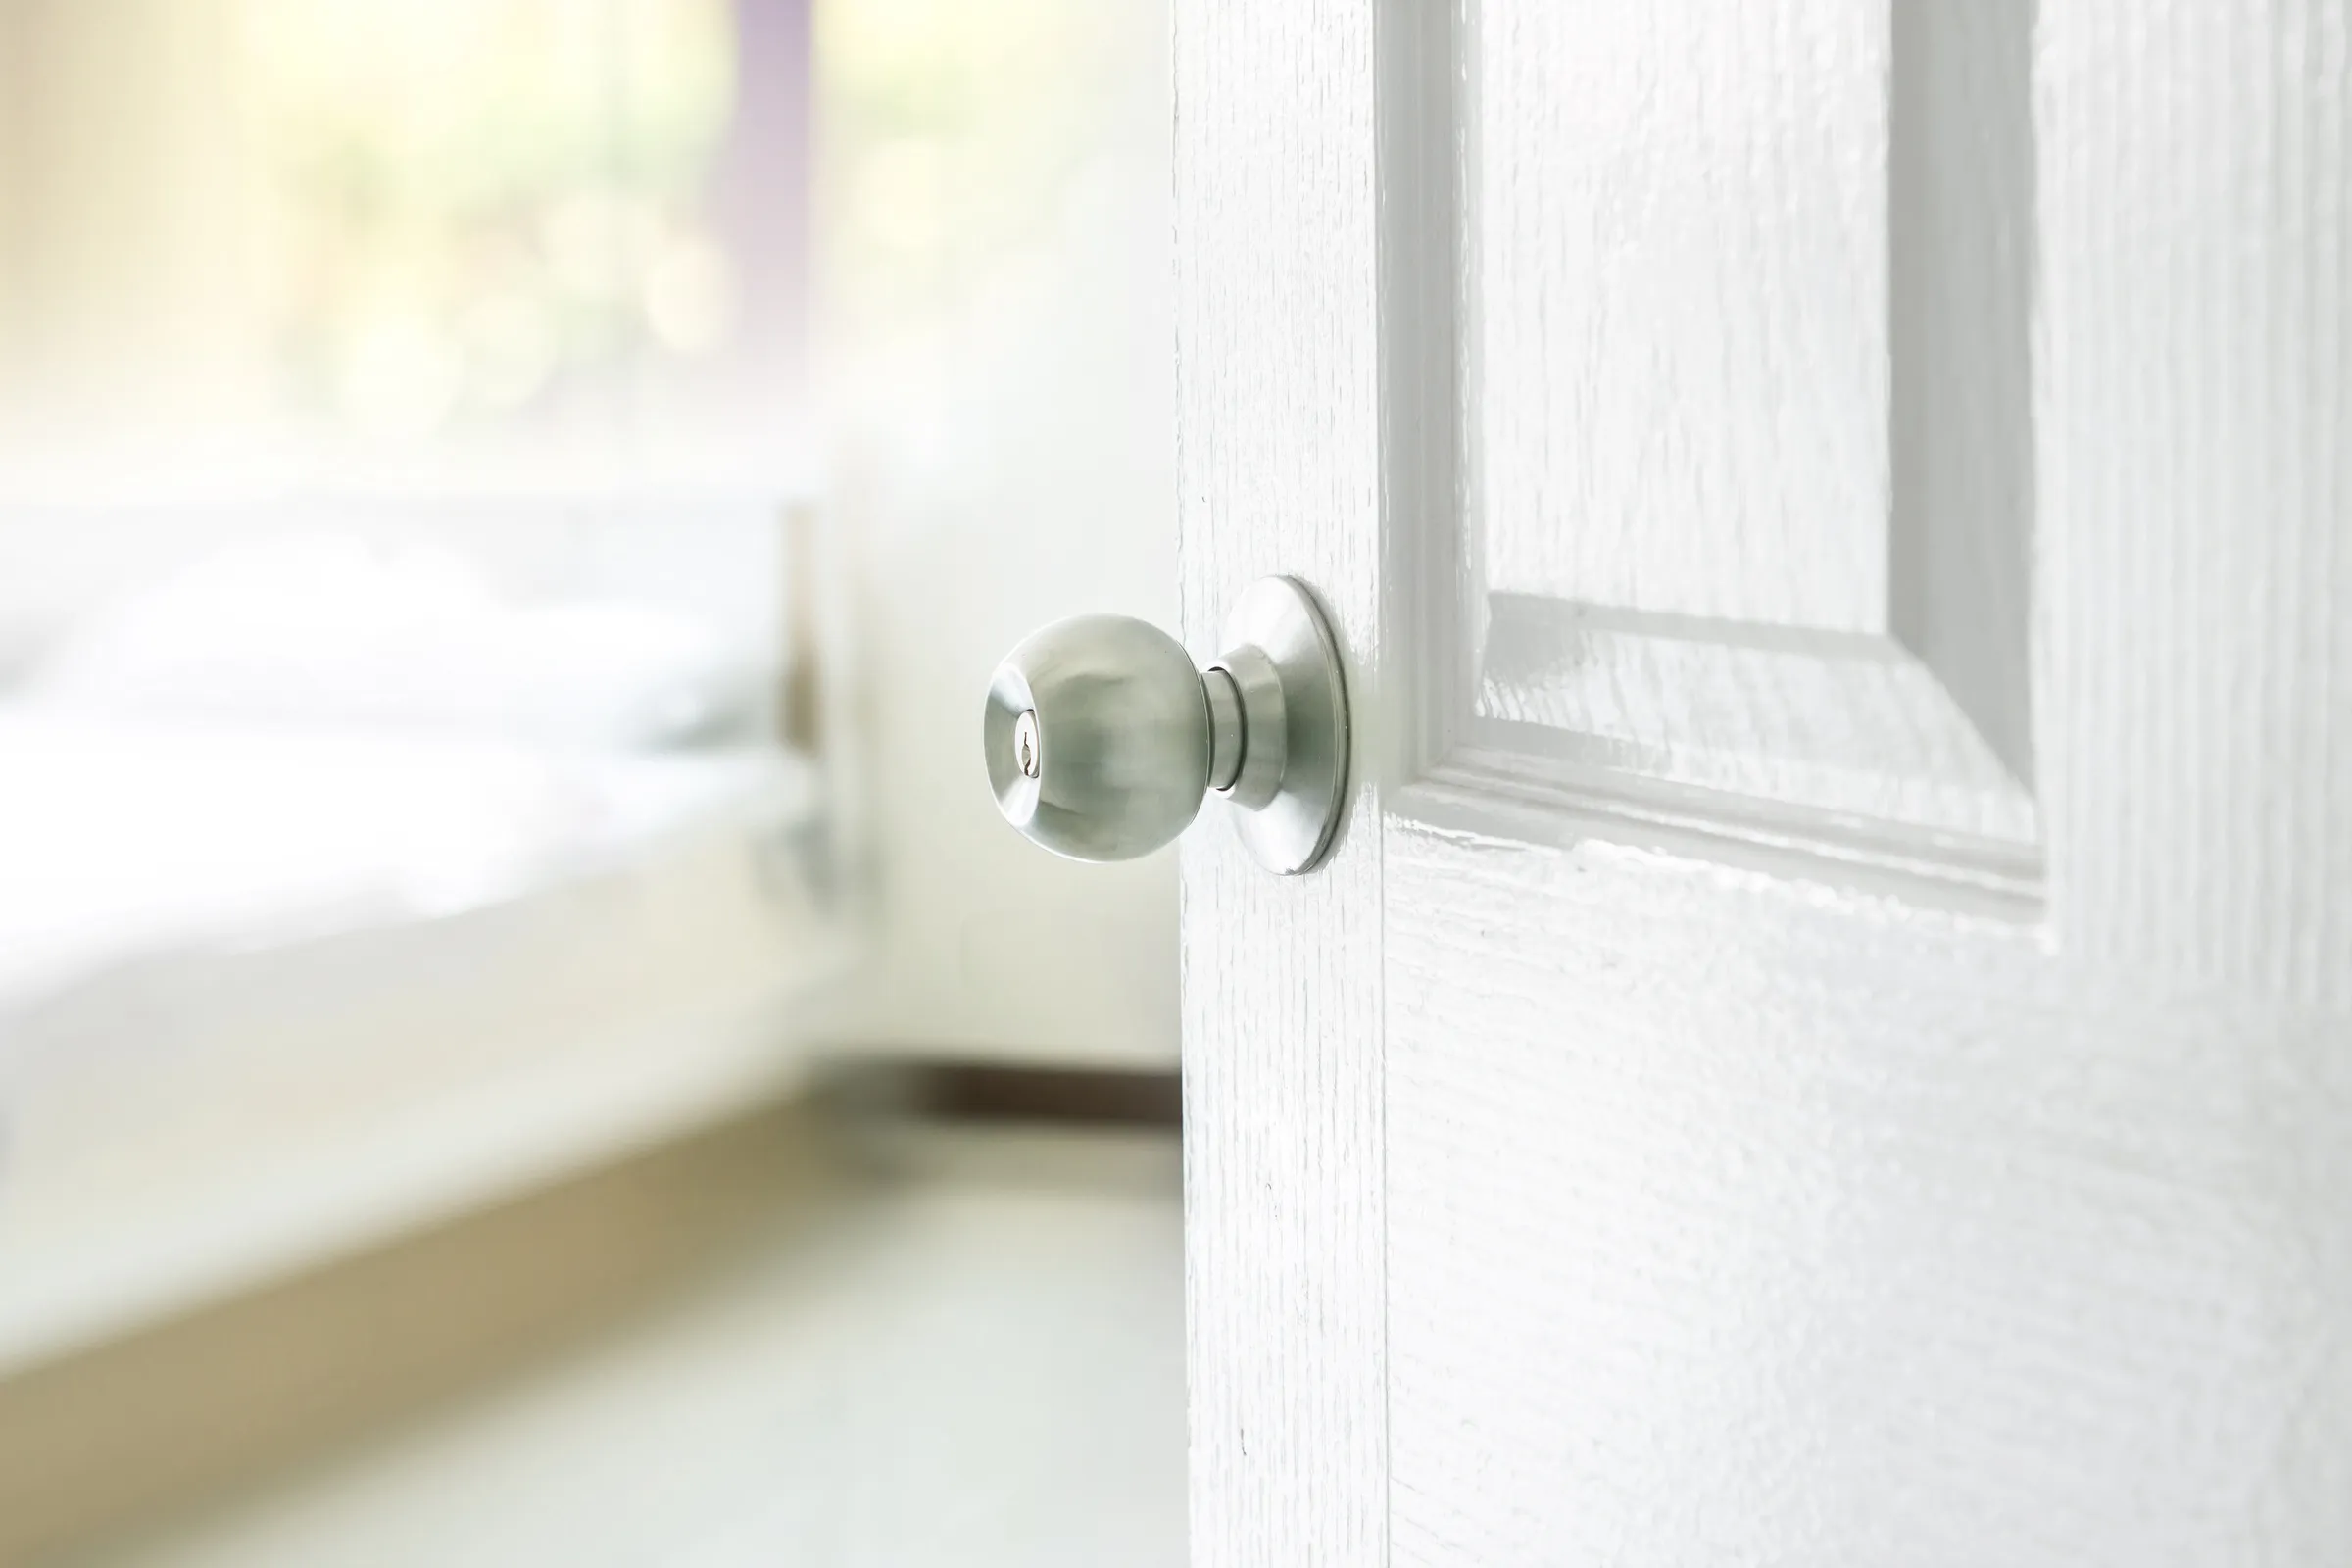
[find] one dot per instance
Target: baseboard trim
(957, 1089)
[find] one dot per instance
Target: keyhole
(1024, 744)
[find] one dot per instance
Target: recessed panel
(1743, 319)
(1677, 268)
(1839, 723)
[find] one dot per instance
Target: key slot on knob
(1028, 753)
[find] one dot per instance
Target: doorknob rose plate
(1103, 739)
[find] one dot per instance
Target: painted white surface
(1730, 518)
(994, 310)
(1937, 1160)
(1277, 417)
(973, 1369)
(1675, 235)
(2194, 442)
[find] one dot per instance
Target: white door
(1827, 1035)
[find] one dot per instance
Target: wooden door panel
(1743, 539)
(2193, 418)
(1731, 1219)
(1675, 259)
(1279, 472)
(1832, 1018)
(1868, 1062)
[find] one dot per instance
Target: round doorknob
(1103, 738)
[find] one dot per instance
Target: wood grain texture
(2193, 425)
(1745, 528)
(1756, 1217)
(1278, 462)
(1841, 723)
(1677, 253)
(1744, 1220)
(1735, 1211)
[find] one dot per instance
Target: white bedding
(124, 837)
(269, 994)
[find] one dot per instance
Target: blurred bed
(337, 893)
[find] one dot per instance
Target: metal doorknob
(1103, 739)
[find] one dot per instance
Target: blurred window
(388, 390)
(359, 243)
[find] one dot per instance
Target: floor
(976, 1360)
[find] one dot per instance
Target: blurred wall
(997, 346)
(138, 313)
